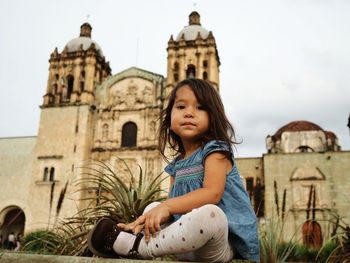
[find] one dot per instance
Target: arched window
(46, 174)
(304, 149)
(70, 83)
(82, 80)
(176, 71)
(205, 75)
(129, 134)
(105, 131)
(176, 77)
(191, 71)
(52, 174)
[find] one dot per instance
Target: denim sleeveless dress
(242, 223)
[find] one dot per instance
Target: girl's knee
(211, 213)
(208, 221)
(212, 210)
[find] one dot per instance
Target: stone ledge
(8, 257)
(13, 257)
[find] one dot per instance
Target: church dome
(296, 126)
(301, 136)
(194, 28)
(84, 41)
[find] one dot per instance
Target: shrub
(111, 197)
(40, 242)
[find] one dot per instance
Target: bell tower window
(129, 134)
(191, 71)
(52, 174)
(205, 75)
(70, 83)
(46, 174)
(82, 80)
(176, 71)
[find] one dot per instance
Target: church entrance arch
(12, 219)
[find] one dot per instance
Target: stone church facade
(89, 113)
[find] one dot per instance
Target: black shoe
(102, 236)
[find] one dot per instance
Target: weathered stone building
(90, 113)
(307, 163)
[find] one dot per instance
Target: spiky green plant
(106, 195)
(272, 247)
(114, 197)
(39, 242)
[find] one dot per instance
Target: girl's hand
(154, 218)
(149, 222)
(134, 227)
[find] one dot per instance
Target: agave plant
(41, 242)
(114, 197)
(105, 195)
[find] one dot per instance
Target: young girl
(208, 215)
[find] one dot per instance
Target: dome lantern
(194, 19)
(85, 30)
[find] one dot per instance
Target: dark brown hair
(219, 126)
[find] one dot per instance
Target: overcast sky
(281, 60)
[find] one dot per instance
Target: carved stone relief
(131, 93)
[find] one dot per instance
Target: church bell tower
(192, 54)
(66, 126)
(74, 73)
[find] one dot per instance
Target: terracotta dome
(296, 126)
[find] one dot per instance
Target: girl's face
(188, 118)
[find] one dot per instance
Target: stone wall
(15, 175)
(332, 184)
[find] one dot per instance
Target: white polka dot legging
(200, 235)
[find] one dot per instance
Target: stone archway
(12, 220)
